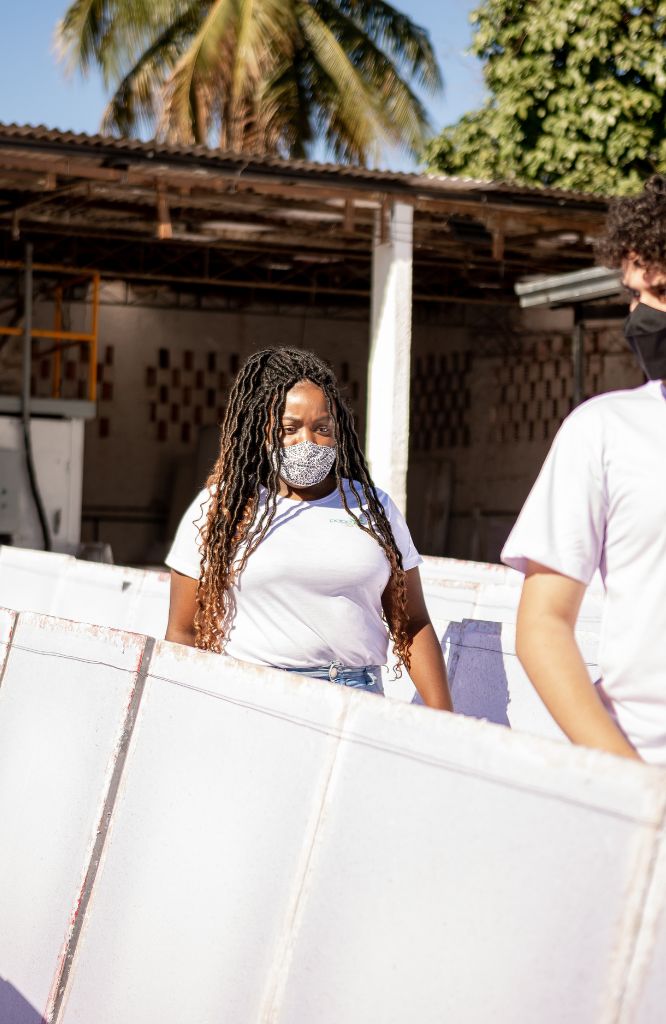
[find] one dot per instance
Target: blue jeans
(368, 678)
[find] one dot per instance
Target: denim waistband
(366, 677)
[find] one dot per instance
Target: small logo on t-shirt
(361, 520)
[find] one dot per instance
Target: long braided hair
(236, 525)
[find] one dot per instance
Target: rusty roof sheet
(40, 137)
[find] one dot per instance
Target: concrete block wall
(196, 839)
(492, 387)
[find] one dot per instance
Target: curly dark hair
(636, 225)
(236, 524)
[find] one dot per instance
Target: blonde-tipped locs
(237, 521)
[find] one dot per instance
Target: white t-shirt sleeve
(403, 538)
(562, 523)
(185, 555)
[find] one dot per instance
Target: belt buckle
(334, 670)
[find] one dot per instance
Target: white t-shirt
(600, 502)
(310, 593)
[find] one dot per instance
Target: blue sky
(34, 88)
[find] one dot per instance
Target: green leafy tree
(577, 96)
(258, 76)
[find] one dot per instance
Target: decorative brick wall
(187, 390)
(440, 401)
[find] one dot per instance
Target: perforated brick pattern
(536, 393)
(187, 390)
(440, 401)
(105, 391)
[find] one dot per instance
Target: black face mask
(645, 330)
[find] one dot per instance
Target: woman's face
(306, 416)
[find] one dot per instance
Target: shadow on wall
(14, 1009)
(477, 676)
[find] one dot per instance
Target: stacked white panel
(63, 705)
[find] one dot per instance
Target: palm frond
(406, 120)
(406, 44)
(110, 33)
(138, 98)
(200, 60)
(286, 108)
(260, 75)
(353, 106)
(266, 33)
(80, 30)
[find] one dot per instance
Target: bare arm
(427, 670)
(547, 648)
(182, 608)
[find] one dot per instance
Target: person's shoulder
(610, 400)
(198, 507)
(386, 501)
(351, 486)
(204, 497)
(358, 486)
(604, 407)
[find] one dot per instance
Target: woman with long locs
(291, 557)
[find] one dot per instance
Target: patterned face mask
(306, 464)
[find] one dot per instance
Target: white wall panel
(221, 797)
(29, 579)
(486, 678)
(98, 593)
(63, 703)
(150, 610)
(498, 602)
(488, 681)
(7, 621)
(491, 684)
(435, 568)
(462, 873)
(282, 851)
(450, 601)
(105, 595)
(138, 600)
(645, 996)
(474, 572)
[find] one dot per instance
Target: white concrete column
(387, 438)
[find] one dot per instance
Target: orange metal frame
(63, 339)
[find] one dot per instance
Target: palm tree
(258, 76)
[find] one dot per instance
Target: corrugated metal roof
(39, 136)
